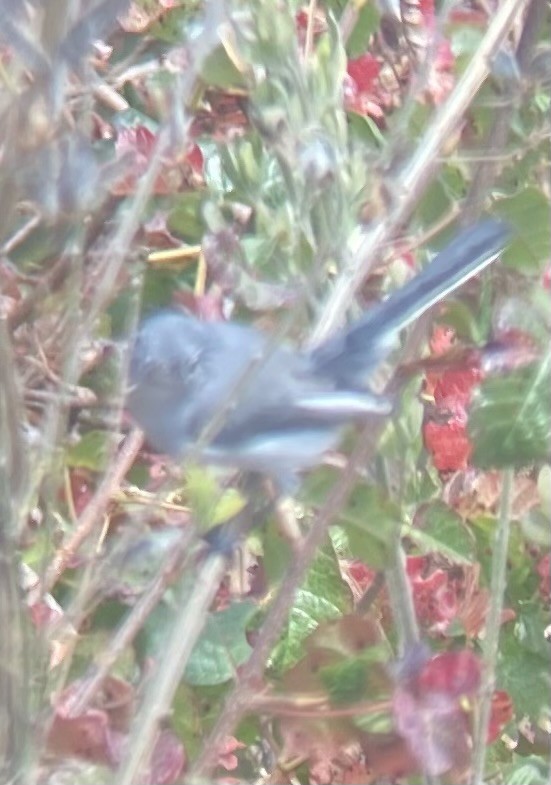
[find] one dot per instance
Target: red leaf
(226, 758)
(86, 736)
(364, 71)
(208, 307)
(427, 10)
(502, 713)
(99, 732)
(195, 159)
(449, 445)
(81, 489)
(359, 573)
(361, 87)
(434, 595)
(453, 673)
(135, 147)
(446, 436)
(454, 388)
(442, 339)
(167, 760)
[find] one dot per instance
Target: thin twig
(169, 668)
(15, 641)
(501, 126)
(309, 38)
(493, 625)
(126, 633)
(116, 250)
(401, 600)
(21, 234)
(246, 685)
(416, 173)
(95, 509)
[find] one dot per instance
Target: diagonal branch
(414, 175)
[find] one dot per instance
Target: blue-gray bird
(276, 410)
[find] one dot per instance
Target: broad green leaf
(345, 681)
(91, 452)
(365, 131)
(220, 71)
(133, 117)
(510, 419)
(528, 771)
(359, 676)
(195, 710)
(523, 674)
(536, 527)
(367, 23)
(443, 531)
(277, 552)
(159, 284)
(528, 213)
(529, 626)
(173, 26)
(324, 595)
(222, 646)
(369, 519)
(185, 217)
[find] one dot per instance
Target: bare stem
(491, 641)
(409, 184)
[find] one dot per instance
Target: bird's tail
(351, 354)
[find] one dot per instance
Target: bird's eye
(151, 370)
(180, 369)
(175, 370)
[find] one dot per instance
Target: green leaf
(369, 518)
(536, 527)
(510, 419)
(222, 646)
(435, 202)
(365, 131)
(345, 681)
(530, 771)
(185, 217)
(443, 531)
(466, 323)
(529, 626)
(91, 452)
(323, 596)
(327, 69)
(158, 287)
(220, 71)
(194, 712)
(133, 117)
(277, 551)
(523, 674)
(210, 504)
(370, 521)
(173, 26)
(528, 213)
(367, 23)
(356, 677)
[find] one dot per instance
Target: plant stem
(491, 642)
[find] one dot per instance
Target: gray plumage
(280, 409)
